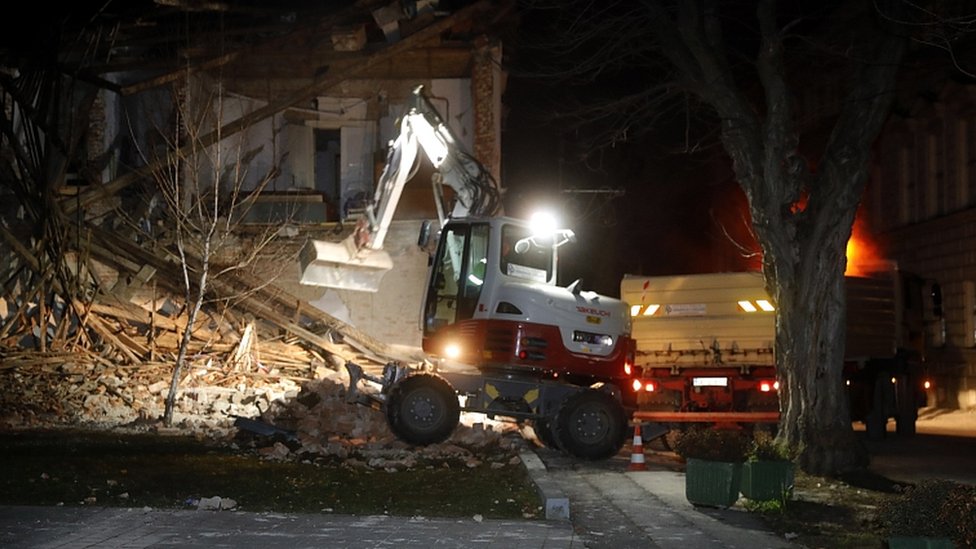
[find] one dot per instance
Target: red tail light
(636, 384)
(649, 387)
(767, 386)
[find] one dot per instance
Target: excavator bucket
(339, 265)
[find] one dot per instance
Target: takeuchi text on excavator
(500, 335)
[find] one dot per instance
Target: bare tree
(740, 63)
(205, 198)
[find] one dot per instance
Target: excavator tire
(591, 425)
(543, 431)
(422, 409)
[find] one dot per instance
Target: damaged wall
(392, 314)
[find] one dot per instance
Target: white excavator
(502, 338)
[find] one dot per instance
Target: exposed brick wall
(485, 93)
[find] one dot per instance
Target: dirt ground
(846, 512)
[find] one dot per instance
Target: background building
(921, 202)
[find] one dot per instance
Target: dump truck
(501, 337)
(706, 348)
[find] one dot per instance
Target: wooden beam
(106, 333)
(21, 250)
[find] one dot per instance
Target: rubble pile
(325, 425)
(101, 354)
(302, 412)
(42, 390)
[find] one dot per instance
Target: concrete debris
(276, 452)
(216, 503)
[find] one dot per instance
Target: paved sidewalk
(79, 527)
(613, 507)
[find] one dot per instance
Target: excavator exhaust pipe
(339, 265)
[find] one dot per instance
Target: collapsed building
(161, 169)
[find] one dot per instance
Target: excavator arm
(359, 262)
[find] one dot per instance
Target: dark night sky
(669, 219)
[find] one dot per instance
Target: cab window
(534, 263)
(459, 276)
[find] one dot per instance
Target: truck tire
(876, 419)
(906, 399)
(905, 423)
(590, 424)
(422, 409)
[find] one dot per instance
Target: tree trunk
(810, 335)
(174, 383)
(191, 319)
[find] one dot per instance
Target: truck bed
(699, 321)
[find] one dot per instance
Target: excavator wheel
(422, 409)
(591, 425)
(543, 431)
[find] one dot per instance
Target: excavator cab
(475, 257)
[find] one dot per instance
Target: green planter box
(767, 480)
(712, 483)
(907, 542)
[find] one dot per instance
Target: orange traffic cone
(637, 452)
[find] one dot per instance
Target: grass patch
(146, 470)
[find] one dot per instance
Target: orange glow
(862, 253)
(801, 203)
